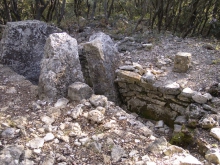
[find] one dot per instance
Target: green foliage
(185, 17)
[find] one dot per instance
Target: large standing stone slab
(60, 66)
(99, 61)
(22, 46)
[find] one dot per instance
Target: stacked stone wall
(143, 94)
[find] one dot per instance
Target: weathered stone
(102, 59)
(36, 143)
(98, 100)
(189, 160)
(215, 132)
(79, 91)
(8, 133)
(199, 98)
(208, 122)
(11, 155)
(186, 94)
(158, 146)
(128, 76)
(180, 120)
(195, 111)
(213, 156)
(117, 152)
(159, 124)
(134, 104)
(96, 116)
(74, 129)
(203, 146)
(47, 120)
(48, 137)
(182, 62)
(60, 66)
(22, 46)
(127, 67)
(178, 108)
(48, 160)
(169, 151)
(138, 68)
(77, 111)
(171, 88)
(177, 128)
(61, 103)
(148, 77)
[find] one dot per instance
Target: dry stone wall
(143, 94)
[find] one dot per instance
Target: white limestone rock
(213, 155)
(60, 66)
(215, 132)
(96, 116)
(36, 143)
(61, 103)
(77, 111)
(48, 137)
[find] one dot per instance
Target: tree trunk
(93, 9)
(7, 11)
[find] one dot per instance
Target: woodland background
(181, 17)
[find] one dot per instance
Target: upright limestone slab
(182, 62)
(100, 59)
(60, 66)
(22, 46)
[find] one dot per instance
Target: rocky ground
(96, 131)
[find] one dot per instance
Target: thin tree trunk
(61, 12)
(93, 9)
(7, 11)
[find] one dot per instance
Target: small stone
(107, 159)
(133, 153)
(61, 103)
(215, 132)
(213, 156)
(170, 89)
(159, 124)
(190, 160)
(37, 151)
(75, 129)
(36, 143)
(148, 77)
(96, 116)
(49, 137)
(117, 152)
(98, 100)
(180, 120)
(208, 122)
(177, 128)
(199, 98)
(101, 109)
(48, 160)
(8, 133)
(158, 146)
(97, 147)
(77, 143)
(11, 90)
(84, 140)
(110, 124)
(47, 120)
(77, 111)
